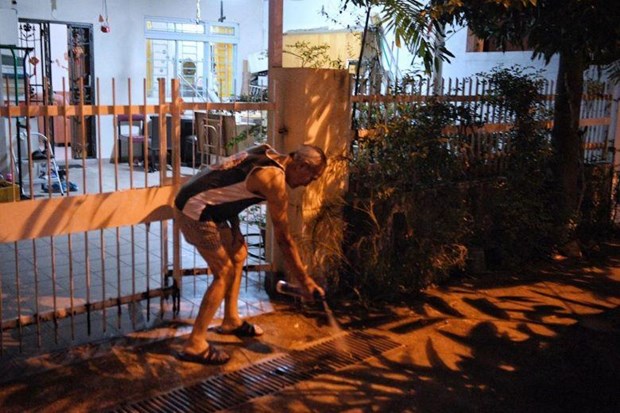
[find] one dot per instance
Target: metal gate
(87, 248)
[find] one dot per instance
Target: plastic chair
(131, 128)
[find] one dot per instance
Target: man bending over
(207, 209)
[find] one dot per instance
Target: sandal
(211, 356)
(244, 330)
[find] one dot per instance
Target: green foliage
(409, 218)
(321, 247)
(417, 206)
(585, 28)
(258, 132)
(412, 27)
(515, 223)
(613, 71)
(596, 208)
(588, 28)
(581, 32)
(255, 215)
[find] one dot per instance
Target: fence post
(614, 125)
(175, 109)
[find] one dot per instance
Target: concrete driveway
(545, 340)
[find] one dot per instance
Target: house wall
(121, 53)
(469, 63)
(343, 45)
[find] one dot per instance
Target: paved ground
(543, 341)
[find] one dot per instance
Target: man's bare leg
(223, 271)
(238, 255)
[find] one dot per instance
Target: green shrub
(409, 220)
(517, 225)
(416, 204)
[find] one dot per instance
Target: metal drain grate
(227, 390)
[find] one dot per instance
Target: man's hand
(313, 290)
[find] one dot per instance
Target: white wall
(306, 14)
(469, 63)
(120, 54)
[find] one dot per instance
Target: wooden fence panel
(596, 117)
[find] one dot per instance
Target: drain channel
(227, 390)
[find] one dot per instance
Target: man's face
(301, 174)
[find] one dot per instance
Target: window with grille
(202, 55)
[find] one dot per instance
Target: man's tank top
(219, 192)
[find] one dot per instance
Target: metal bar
(196, 399)
(1, 317)
(179, 400)
(163, 404)
(71, 285)
(54, 292)
(18, 299)
(148, 271)
(24, 320)
(88, 109)
(145, 132)
(132, 314)
(176, 174)
(130, 139)
(218, 392)
(214, 397)
(118, 276)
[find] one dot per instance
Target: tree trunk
(566, 137)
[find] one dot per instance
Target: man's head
(307, 164)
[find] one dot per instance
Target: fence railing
(94, 260)
(80, 263)
(597, 112)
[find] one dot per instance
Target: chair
(155, 139)
(210, 141)
(131, 131)
(215, 135)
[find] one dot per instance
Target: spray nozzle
(296, 291)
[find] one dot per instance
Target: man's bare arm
(270, 182)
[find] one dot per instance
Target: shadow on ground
(545, 340)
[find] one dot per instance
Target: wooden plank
(595, 121)
(87, 110)
(31, 219)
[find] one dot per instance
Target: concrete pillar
(314, 108)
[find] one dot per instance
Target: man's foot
(211, 356)
(244, 330)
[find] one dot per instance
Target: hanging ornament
(103, 17)
(34, 61)
(54, 8)
(197, 11)
(222, 17)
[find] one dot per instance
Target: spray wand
(293, 290)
